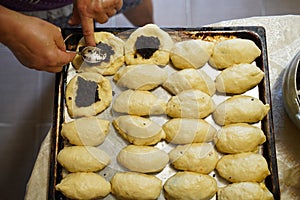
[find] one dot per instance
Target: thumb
(65, 57)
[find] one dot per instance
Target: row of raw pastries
(151, 45)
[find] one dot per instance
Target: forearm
(11, 22)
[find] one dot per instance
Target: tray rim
(269, 149)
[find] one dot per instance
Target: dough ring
(113, 54)
(148, 45)
(88, 94)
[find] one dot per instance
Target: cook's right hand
(85, 11)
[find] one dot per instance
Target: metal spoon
(91, 54)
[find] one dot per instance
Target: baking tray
(254, 33)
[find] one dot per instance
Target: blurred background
(26, 96)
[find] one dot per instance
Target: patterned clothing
(38, 5)
(34, 5)
(54, 11)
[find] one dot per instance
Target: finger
(115, 4)
(65, 58)
(111, 12)
(101, 18)
(75, 18)
(88, 30)
(119, 4)
(53, 69)
(60, 42)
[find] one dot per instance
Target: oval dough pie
(226, 53)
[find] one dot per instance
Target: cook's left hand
(85, 11)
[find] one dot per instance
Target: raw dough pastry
(144, 159)
(90, 131)
(88, 94)
(240, 137)
(83, 159)
(133, 185)
(239, 78)
(148, 44)
(83, 185)
(243, 167)
(196, 157)
(190, 186)
(139, 103)
(187, 79)
(233, 51)
(191, 53)
(185, 131)
(240, 108)
(245, 191)
(138, 130)
(190, 104)
(141, 77)
(112, 48)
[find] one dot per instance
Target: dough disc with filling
(148, 44)
(112, 48)
(88, 94)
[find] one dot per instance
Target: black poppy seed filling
(105, 50)
(146, 46)
(87, 93)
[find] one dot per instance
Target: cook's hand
(39, 45)
(85, 11)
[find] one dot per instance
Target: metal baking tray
(254, 33)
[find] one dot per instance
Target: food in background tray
(196, 157)
(141, 77)
(226, 53)
(191, 54)
(243, 167)
(133, 185)
(240, 108)
(245, 191)
(90, 131)
(238, 138)
(139, 130)
(187, 79)
(112, 54)
(139, 103)
(84, 185)
(186, 131)
(239, 78)
(144, 159)
(190, 185)
(87, 94)
(148, 44)
(83, 158)
(190, 104)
